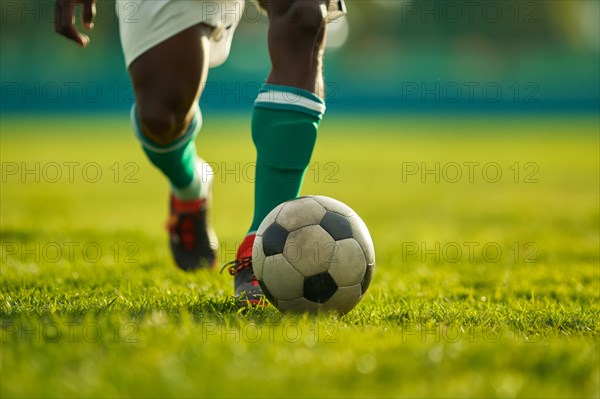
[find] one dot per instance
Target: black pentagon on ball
(273, 239)
(319, 288)
(337, 226)
(366, 281)
(267, 293)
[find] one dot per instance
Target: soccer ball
(313, 253)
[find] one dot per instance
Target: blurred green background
(388, 56)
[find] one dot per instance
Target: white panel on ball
(309, 250)
(362, 235)
(283, 280)
(334, 205)
(299, 305)
(348, 264)
(344, 299)
(300, 213)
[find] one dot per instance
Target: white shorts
(143, 24)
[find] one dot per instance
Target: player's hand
(64, 19)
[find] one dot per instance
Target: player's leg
(286, 116)
(169, 46)
(167, 83)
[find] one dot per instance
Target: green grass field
(487, 282)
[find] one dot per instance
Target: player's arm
(64, 19)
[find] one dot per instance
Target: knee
(162, 122)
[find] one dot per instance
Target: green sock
(177, 160)
(284, 130)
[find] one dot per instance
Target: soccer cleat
(247, 290)
(193, 241)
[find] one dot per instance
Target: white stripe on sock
(285, 98)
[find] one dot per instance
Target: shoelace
(238, 265)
